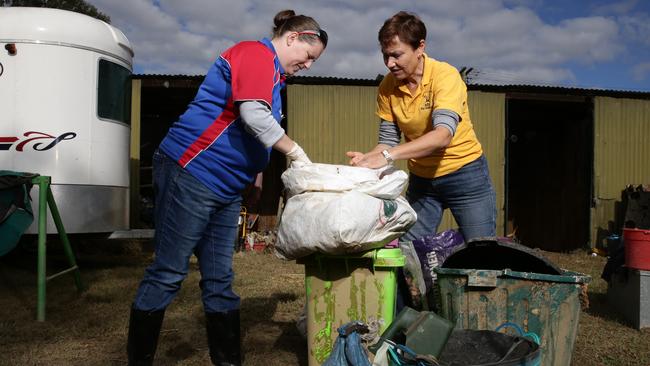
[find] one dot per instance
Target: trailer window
(114, 92)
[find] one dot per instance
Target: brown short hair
(307, 27)
(407, 26)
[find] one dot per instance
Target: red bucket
(637, 248)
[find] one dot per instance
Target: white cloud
(492, 35)
(584, 40)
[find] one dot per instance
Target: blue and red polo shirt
(209, 139)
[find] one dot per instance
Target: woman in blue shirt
(217, 147)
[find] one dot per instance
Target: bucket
(637, 248)
(613, 244)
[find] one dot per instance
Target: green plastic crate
(547, 305)
(340, 289)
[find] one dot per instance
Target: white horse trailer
(65, 107)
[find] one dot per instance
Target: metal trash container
(488, 294)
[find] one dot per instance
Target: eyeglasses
(321, 34)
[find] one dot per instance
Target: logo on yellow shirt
(427, 100)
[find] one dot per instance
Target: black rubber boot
(144, 328)
(224, 338)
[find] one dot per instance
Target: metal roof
(508, 89)
(511, 88)
(548, 89)
(169, 81)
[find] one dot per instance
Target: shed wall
(621, 156)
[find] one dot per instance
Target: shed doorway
(549, 170)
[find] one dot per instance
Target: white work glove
(298, 155)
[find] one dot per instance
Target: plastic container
(545, 304)
(628, 292)
(613, 244)
(341, 289)
(637, 248)
(423, 332)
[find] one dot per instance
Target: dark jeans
(189, 219)
(467, 192)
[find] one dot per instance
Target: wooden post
(134, 166)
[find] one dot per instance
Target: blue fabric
(209, 139)
(15, 208)
(13, 228)
(467, 192)
(337, 357)
(189, 219)
(347, 348)
(354, 352)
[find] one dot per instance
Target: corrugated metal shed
(621, 156)
(487, 110)
(328, 120)
(330, 116)
(346, 107)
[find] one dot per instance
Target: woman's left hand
(373, 160)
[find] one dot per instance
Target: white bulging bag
(336, 210)
(381, 183)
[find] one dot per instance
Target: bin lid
(489, 277)
(383, 257)
(499, 255)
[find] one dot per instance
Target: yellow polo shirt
(441, 88)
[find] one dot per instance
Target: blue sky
(585, 44)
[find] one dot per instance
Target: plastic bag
(400, 355)
(339, 223)
(348, 350)
(387, 183)
(432, 250)
(381, 357)
(412, 271)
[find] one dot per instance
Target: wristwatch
(387, 156)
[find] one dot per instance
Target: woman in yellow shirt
(426, 101)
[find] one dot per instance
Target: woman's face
(298, 54)
(401, 59)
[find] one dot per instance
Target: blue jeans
(189, 219)
(467, 192)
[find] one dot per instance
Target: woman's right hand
(373, 160)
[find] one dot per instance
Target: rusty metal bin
(545, 304)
